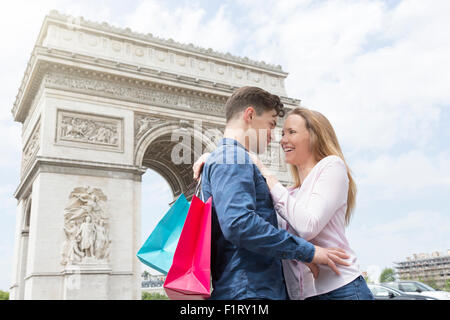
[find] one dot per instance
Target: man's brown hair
(255, 97)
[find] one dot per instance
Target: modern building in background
(153, 281)
(153, 284)
(434, 267)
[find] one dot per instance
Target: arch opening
(164, 180)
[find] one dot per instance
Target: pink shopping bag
(189, 277)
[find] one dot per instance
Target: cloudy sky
(379, 70)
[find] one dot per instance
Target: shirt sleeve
(234, 198)
(329, 193)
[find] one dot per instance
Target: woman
(317, 208)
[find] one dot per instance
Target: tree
(145, 275)
(387, 275)
(447, 285)
(4, 295)
(432, 283)
(153, 296)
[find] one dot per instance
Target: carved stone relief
(31, 147)
(79, 129)
(86, 228)
(143, 123)
(141, 93)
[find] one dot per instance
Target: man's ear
(249, 113)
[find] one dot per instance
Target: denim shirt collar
(232, 142)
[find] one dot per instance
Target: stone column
(16, 289)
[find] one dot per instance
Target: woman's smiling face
(295, 140)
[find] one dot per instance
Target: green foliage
(447, 285)
(432, 284)
(387, 275)
(4, 295)
(153, 296)
(145, 275)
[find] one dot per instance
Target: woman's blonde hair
(323, 143)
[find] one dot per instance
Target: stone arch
(154, 151)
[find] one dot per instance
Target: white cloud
(380, 74)
(8, 202)
(6, 255)
(11, 141)
(399, 236)
(185, 24)
(406, 174)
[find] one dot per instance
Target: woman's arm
(198, 165)
(328, 195)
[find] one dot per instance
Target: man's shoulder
(229, 154)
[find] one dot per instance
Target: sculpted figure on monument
(145, 123)
(78, 129)
(87, 232)
(101, 241)
(86, 227)
(71, 252)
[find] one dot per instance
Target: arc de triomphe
(98, 106)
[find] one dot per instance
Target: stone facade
(98, 106)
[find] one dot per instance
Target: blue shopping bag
(157, 252)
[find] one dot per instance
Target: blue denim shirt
(246, 244)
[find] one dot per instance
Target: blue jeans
(355, 290)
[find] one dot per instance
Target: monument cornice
(75, 167)
(114, 74)
(80, 22)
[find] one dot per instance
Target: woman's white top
(316, 212)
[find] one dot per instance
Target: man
(247, 247)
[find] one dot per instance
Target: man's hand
(198, 165)
(330, 257)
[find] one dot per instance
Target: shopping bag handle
(197, 188)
